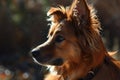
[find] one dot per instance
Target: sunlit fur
(82, 49)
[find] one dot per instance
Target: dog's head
(73, 37)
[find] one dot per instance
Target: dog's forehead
(64, 23)
(60, 26)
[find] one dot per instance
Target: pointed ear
(79, 10)
(56, 14)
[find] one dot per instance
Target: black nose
(35, 53)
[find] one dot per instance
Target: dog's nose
(35, 53)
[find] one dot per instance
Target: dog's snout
(35, 53)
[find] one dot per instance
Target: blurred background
(23, 26)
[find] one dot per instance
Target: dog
(74, 49)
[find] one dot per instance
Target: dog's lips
(41, 60)
(49, 61)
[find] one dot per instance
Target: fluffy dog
(74, 49)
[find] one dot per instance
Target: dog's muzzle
(46, 59)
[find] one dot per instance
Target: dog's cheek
(75, 53)
(68, 50)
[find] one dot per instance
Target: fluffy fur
(74, 46)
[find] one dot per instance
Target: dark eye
(59, 39)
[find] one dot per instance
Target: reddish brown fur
(82, 48)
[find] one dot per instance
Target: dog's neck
(91, 74)
(60, 72)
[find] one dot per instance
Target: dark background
(23, 26)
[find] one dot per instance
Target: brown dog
(74, 49)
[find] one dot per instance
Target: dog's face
(61, 45)
(71, 38)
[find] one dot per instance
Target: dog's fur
(74, 46)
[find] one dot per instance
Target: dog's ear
(79, 10)
(56, 14)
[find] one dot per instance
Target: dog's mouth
(57, 62)
(49, 61)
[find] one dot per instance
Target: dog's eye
(59, 39)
